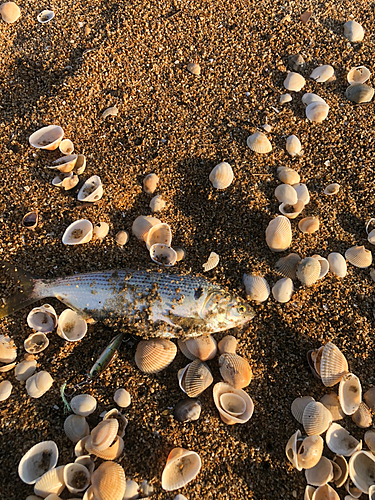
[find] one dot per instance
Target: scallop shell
(25, 369)
(359, 93)
(287, 266)
(332, 403)
(370, 440)
(291, 211)
(163, 255)
(332, 189)
(47, 137)
(369, 397)
(52, 482)
(309, 98)
(235, 370)
(153, 356)
(288, 175)
(30, 220)
(157, 203)
(37, 461)
(159, 233)
(66, 147)
(256, 287)
(310, 452)
(45, 16)
(299, 405)
(359, 74)
(353, 31)
(339, 441)
(358, 256)
(187, 410)
(36, 342)
(108, 481)
(293, 146)
(76, 477)
(286, 194)
(325, 492)
(316, 418)
(294, 82)
(221, 176)
(317, 111)
(296, 62)
(212, 262)
(5, 390)
(8, 350)
(322, 73)
(92, 190)
(103, 435)
(83, 404)
(333, 365)
(337, 264)
(70, 326)
(228, 408)
(203, 347)
(321, 473)
(309, 225)
(341, 462)
(308, 271)
(122, 238)
(324, 265)
(101, 230)
(80, 165)
(350, 393)
(291, 450)
(78, 232)
(195, 378)
(38, 384)
(194, 69)
(227, 344)
(282, 290)
(362, 470)
(302, 192)
(150, 183)
(112, 452)
(362, 417)
(181, 468)
(259, 143)
(64, 164)
(279, 234)
(284, 98)
(142, 225)
(76, 428)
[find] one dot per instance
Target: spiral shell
(235, 370)
(358, 256)
(153, 356)
(279, 234)
(221, 176)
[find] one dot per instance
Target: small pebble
(122, 238)
(194, 69)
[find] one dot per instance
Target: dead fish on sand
(156, 304)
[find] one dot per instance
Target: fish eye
(241, 309)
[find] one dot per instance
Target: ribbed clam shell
(279, 234)
(341, 462)
(5, 390)
(122, 398)
(78, 232)
(317, 111)
(294, 82)
(212, 262)
(38, 460)
(91, 191)
(112, 452)
(332, 403)
(153, 356)
(51, 482)
(182, 467)
(36, 342)
(103, 435)
(259, 143)
(332, 189)
(309, 98)
(157, 203)
(163, 254)
(187, 410)
(221, 176)
(195, 378)
(47, 137)
(185, 351)
(299, 405)
(42, 319)
(362, 417)
(256, 287)
(358, 256)
(8, 349)
(324, 265)
(150, 183)
(333, 365)
(359, 74)
(222, 388)
(288, 175)
(287, 266)
(325, 492)
(353, 31)
(38, 384)
(227, 344)
(83, 404)
(282, 290)
(291, 449)
(302, 192)
(339, 441)
(362, 470)
(285, 193)
(308, 271)
(370, 440)
(76, 427)
(159, 233)
(235, 370)
(121, 419)
(76, 477)
(203, 347)
(142, 225)
(321, 473)
(350, 393)
(369, 397)
(25, 369)
(293, 145)
(309, 225)
(108, 481)
(310, 452)
(337, 264)
(316, 418)
(322, 73)
(359, 93)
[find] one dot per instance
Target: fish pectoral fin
(186, 323)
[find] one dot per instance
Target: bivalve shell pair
(350, 393)
(359, 93)
(358, 256)
(282, 290)
(112, 452)
(235, 405)
(142, 225)
(288, 175)
(108, 482)
(279, 234)
(195, 378)
(37, 461)
(153, 356)
(235, 370)
(91, 191)
(163, 255)
(339, 441)
(38, 384)
(182, 467)
(203, 347)
(316, 418)
(42, 319)
(47, 137)
(221, 176)
(78, 232)
(259, 143)
(70, 326)
(294, 82)
(256, 287)
(36, 342)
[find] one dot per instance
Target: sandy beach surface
(133, 55)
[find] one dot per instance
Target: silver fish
(157, 304)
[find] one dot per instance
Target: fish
(152, 303)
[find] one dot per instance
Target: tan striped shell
(287, 266)
(358, 256)
(221, 176)
(308, 271)
(51, 482)
(103, 435)
(350, 393)
(299, 405)
(185, 351)
(256, 287)
(153, 356)
(279, 234)
(333, 365)
(235, 370)
(316, 418)
(195, 378)
(212, 262)
(108, 481)
(362, 417)
(259, 143)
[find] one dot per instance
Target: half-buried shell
(227, 344)
(279, 234)
(235, 405)
(108, 481)
(150, 183)
(153, 356)
(182, 467)
(350, 393)
(212, 262)
(195, 378)
(235, 370)
(332, 189)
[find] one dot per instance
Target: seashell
(294, 82)
(291, 211)
(47, 137)
(259, 143)
(122, 398)
(324, 265)
(332, 403)
(296, 62)
(288, 175)
(212, 262)
(358, 256)
(78, 232)
(64, 164)
(284, 98)
(267, 127)
(37, 461)
(66, 147)
(194, 378)
(353, 31)
(121, 420)
(317, 111)
(7, 368)
(103, 435)
(343, 466)
(101, 230)
(150, 183)
(111, 111)
(227, 344)
(322, 73)
(25, 369)
(80, 447)
(8, 350)
(52, 482)
(350, 393)
(159, 233)
(353, 491)
(42, 319)
(234, 405)
(153, 356)
(5, 390)
(293, 146)
(333, 365)
(70, 182)
(332, 189)
(194, 69)
(83, 404)
(70, 326)
(286, 194)
(76, 477)
(302, 192)
(35, 343)
(91, 191)
(316, 357)
(308, 271)
(235, 370)
(112, 452)
(157, 203)
(359, 93)
(340, 441)
(370, 440)
(291, 449)
(61, 179)
(321, 473)
(30, 220)
(337, 264)
(221, 176)
(282, 290)
(80, 165)
(76, 428)
(325, 492)
(362, 417)
(371, 237)
(287, 266)
(256, 287)
(310, 452)
(187, 410)
(142, 225)
(122, 237)
(45, 16)
(108, 481)
(89, 494)
(181, 468)
(299, 405)
(131, 490)
(371, 492)
(316, 419)
(362, 470)
(309, 225)
(185, 351)
(279, 234)
(203, 347)
(87, 462)
(10, 12)
(163, 255)
(38, 384)
(309, 492)
(309, 98)
(359, 74)
(369, 397)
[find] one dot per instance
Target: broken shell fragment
(71, 326)
(157, 203)
(108, 481)
(370, 440)
(235, 370)
(287, 266)
(101, 230)
(45, 16)
(194, 69)
(47, 137)
(195, 378)
(358, 256)
(279, 234)
(25, 369)
(362, 470)
(291, 211)
(153, 356)
(360, 74)
(64, 164)
(36, 342)
(159, 233)
(221, 176)
(182, 467)
(359, 93)
(76, 477)
(212, 262)
(42, 319)
(362, 417)
(122, 237)
(308, 271)
(291, 450)
(324, 265)
(286, 194)
(337, 264)
(339, 441)
(5, 390)
(284, 98)
(309, 225)
(91, 191)
(333, 365)
(317, 111)
(163, 255)
(78, 232)
(111, 111)
(187, 410)
(267, 127)
(341, 462)
(332, 189)
(282, 290)
(8, 350)
(256, 287)
(288, 175)
(316, 418)
(294, 82)
(293, 146)
(353, 31)
(66, 147)
(235, 405)
(299, 405)
(150, 183)
(142, 225)
(310, 452)
(350, 393)
(80, 165)
(259, 143)
(83, 404)
(122, 398)
(321, 473)
(87, 462)
(322, 73)
(38, 384)
(30, 220)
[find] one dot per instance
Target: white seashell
(37, 461)
(157, 203)
(286, 194)
(70, 326)
(308, 271)
(153, 356)
(111, 111)
(259, 143)
(235, 370)
(337, 264)
(343, 465)
(8, 350)
(293, 146)
(159, 233)
(142, 225)
(310, 452)
(339, 441)
(299, 405)
(288, 175)
(52, 482)
(76, 428)
(182, 467)
(284, 98)
(91, 191)
(282, 290)
(267, 127)
(350, 393)
(80, 447)
(309, 98)
(122, 237)
(108, 482)
(25, 369)
(150, 183)
(332, 189)
(101, 230)
(229, 407)
(369, 397)
(121, 419)
(359, 74)
(287, 266)
(371, 237)
(333, 365)
(322, 73)
(302, 192)
(203, 347)
(64, 164)
(78, 232)
(291, 211)
(181, 253)
(163, 255)
(45, 16)
(309, 225)
(83, 404)
(362, 417)
(42, 319)
(317, 111)
(316, 419)
(38, 384)
(362, 470)
(122, 398)
(195, 378)
(62, 178)
(47, 137)
(325, 492)
(131, 490)
(324, 265)
(358, 256)
(309, 492)
(359, 93)
(279, 234)
(80, 165)
(7, 368)
(66, 147)
(227, 344)
(256, 287)
(332, 403)
(291, 449)
(294, 82)
(321, 473)
(87, 462)
(36, 342)
(212, 262)
(353, 31)
(74, 475)
(5, 390)
(221, 176)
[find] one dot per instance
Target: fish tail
(25, 296)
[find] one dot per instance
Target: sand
(133, 55)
